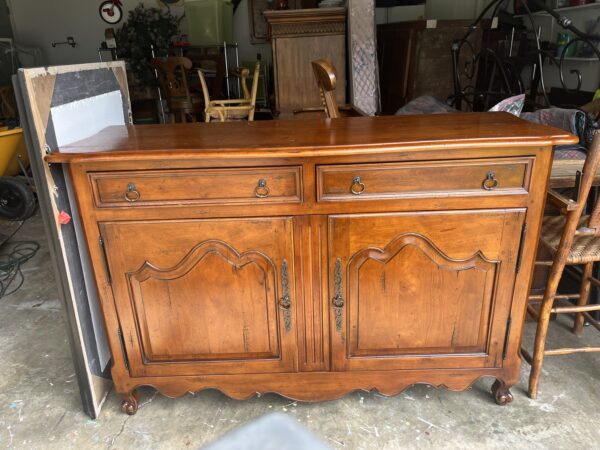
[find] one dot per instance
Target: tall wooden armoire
(299, 36)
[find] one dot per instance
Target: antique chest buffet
(312, 258)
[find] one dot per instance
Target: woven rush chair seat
(228, 113)
(584, 248)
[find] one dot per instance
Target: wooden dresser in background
(415, 59)
(299, 36)
(313, 258)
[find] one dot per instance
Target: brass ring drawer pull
(262, 190)
(358, 187)
(490, 181)
(132, 195)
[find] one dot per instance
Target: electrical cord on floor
(11, 275)
(12, 235)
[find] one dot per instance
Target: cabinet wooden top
(318, 137)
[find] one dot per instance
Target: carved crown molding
(295, 29)
(306, 21)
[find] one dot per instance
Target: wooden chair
(172, 76)
(572, 238)
(234, 109)
(326, 77)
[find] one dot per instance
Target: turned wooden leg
(130, 403)
(584, 293)
(501, 393)
(539, 346)
(544, 319)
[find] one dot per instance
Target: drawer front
(439, 178)
(256, 185)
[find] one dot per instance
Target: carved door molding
(413, 297)
(156, 280)
(200, 304)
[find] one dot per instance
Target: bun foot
(130, 403)
(501, 393)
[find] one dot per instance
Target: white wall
(432, 9)
(454, 9)
(590, 70)
(399, 14)
(241, 35)
(38, 23)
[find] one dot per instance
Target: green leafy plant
(145, 27)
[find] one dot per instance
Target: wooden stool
(572, 238)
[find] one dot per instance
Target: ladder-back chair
(233, 109)
(572, 238)
(326, 77)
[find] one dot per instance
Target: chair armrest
(560, 201)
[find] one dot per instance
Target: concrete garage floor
(40, 405)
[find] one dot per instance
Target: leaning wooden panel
(45, 93)
(314, 299)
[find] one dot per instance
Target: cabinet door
(428, 290)
(203, 296)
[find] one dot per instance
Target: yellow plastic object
(209, 21)
(12, 145)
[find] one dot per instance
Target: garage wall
(241, 34)
(454, 10)
(39, 23)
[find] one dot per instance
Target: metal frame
(502, 65)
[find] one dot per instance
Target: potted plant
(145, 27)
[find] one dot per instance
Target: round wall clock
(110, 11)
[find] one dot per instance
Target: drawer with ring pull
(253, 185)
(419, 179)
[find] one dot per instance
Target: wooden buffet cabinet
(313, 258)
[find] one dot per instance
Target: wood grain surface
(422, 278)
(313, 137)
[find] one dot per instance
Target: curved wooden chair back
(172, 76)
(204, 87)
(254, 90)
(255, 81)
(325, 74)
